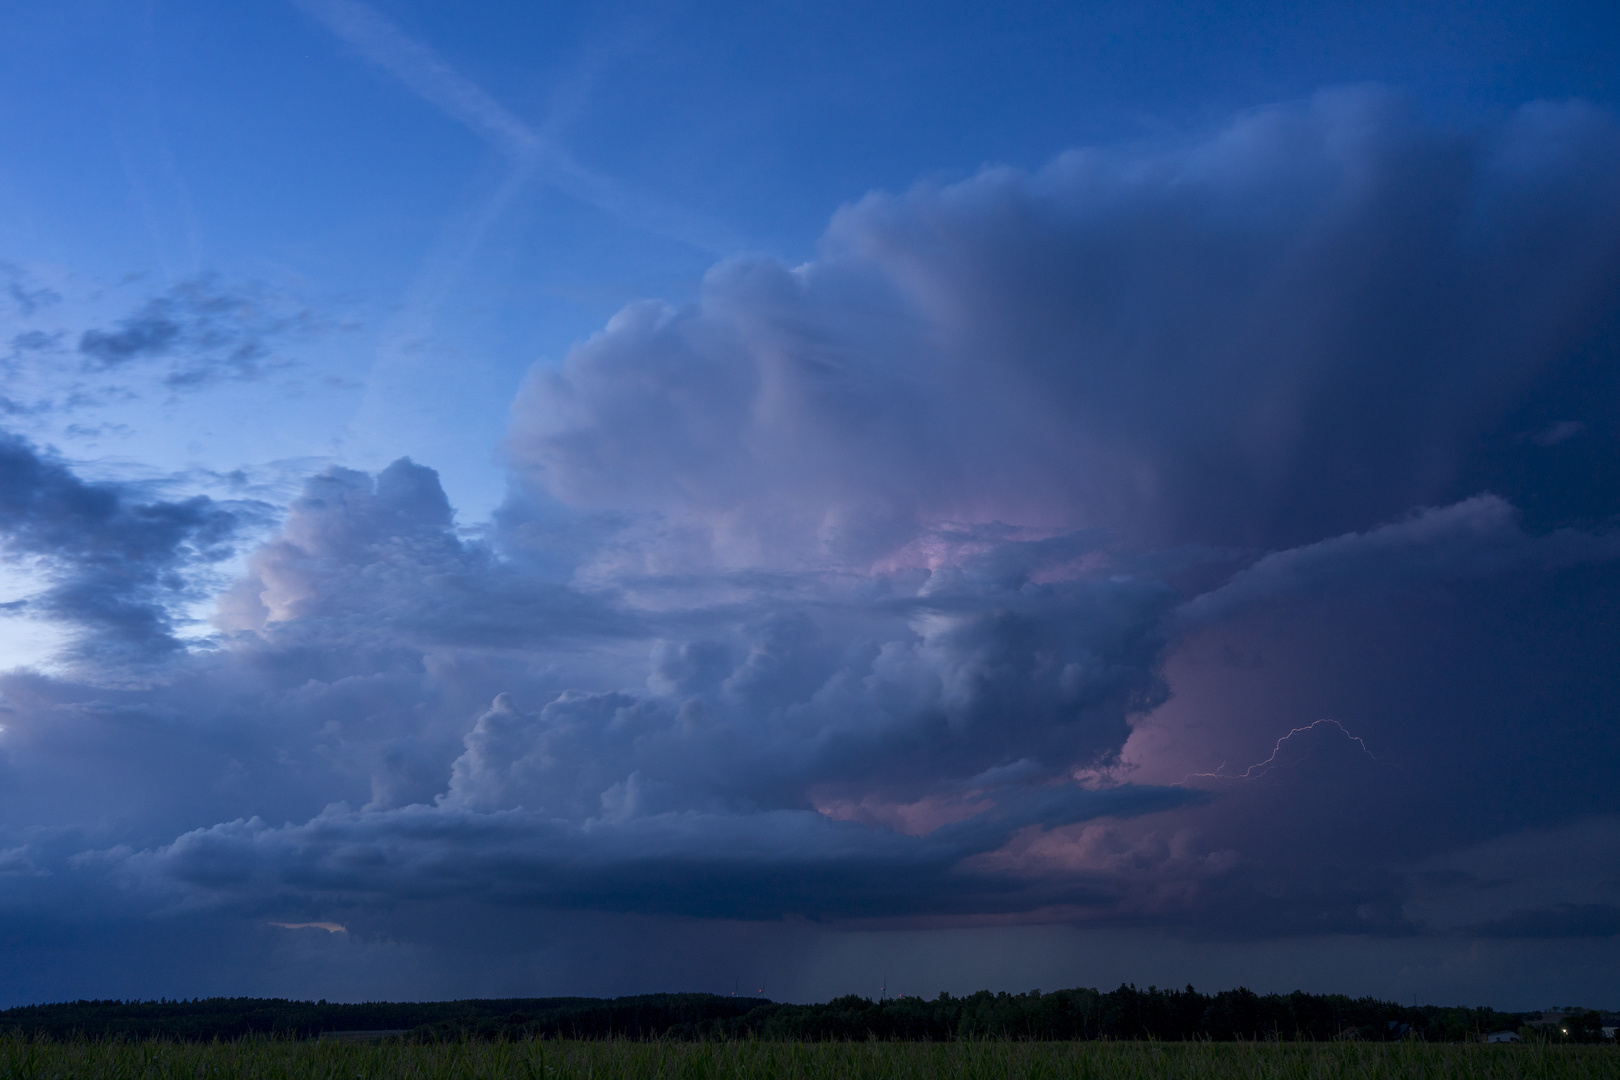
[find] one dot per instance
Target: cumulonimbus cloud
(1248, 340)
(840, 591)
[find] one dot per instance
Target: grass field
(571, 1060)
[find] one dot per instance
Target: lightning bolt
(1266, 765)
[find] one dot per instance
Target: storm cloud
(1300, 327)
(118, 565)
(961, 573)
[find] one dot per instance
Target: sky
(804, 499)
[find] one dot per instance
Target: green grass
(571, 1060)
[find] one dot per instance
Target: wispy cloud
(206, 330)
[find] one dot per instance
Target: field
(741, 1060)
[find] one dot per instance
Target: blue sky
(623, 497)
(261, 146)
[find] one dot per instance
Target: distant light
(329, 927)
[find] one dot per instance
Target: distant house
(1560, 1021)
(1502, 1037)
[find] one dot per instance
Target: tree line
(1125, 1013)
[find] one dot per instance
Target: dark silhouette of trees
(1125, 1013)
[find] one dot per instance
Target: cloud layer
(931, 580)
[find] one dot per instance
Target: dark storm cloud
(1476, 538)
(346, 636)
(117, 564)
(760, 865)
(1487, 705)
(863, 588)
(1562, 921)
(1297, 345)
(1549, 882)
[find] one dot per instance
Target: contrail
(420, 68)
(426, 73)
(1265, 766)
(532, 156)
